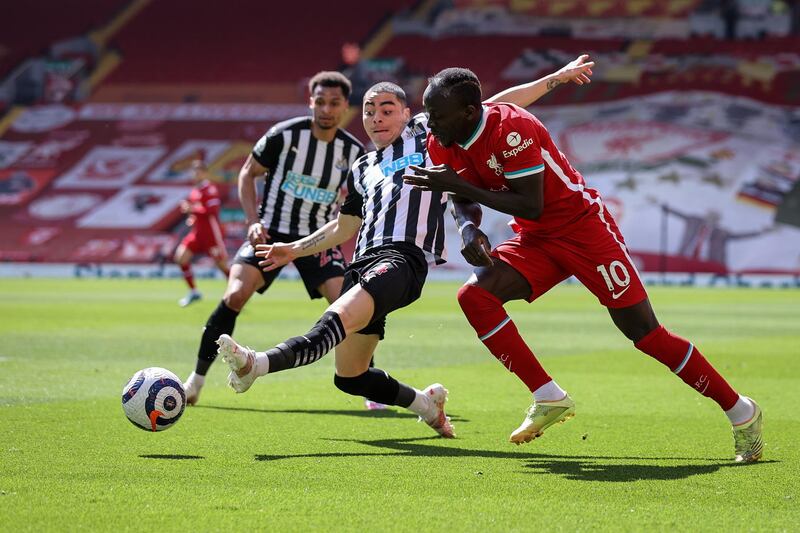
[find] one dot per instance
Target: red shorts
(594, 252)
(205, 242)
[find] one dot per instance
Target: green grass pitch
(644, 452)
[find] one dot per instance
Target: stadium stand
(254, 50)
(255, 42)
(640, 46)
(28, 29)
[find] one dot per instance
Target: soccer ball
(153, 399)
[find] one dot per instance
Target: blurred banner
(104, 182)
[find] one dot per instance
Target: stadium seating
(767, 70)
(185, 42)
(487, 55)
(28, 28)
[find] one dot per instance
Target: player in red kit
(501, 156)
(205, 234)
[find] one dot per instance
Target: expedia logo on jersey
(390, 167)
(520, 147)
(494, 165)
(305, 187)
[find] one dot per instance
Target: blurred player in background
(400, 233)
(501, 156)
(205, 233)
(305, 160)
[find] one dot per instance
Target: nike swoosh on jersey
(460, 171)
(616, 295)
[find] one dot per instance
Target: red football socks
(188, 275)
(494, 327)
(680, 356)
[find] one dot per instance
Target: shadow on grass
(575, 467)
(363, 413)
(170, 456)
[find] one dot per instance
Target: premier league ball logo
(153, 399)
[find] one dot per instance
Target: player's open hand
(256, 233)
(274, 255)
(435, 178)
(475, 247)
(578, 71)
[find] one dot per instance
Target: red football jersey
(205, 203)
(510, 143)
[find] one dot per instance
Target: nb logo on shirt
(399, 164)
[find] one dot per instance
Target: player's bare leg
(482, 300)
(183, 258)
(331, 288)
(221, 260)
(639, 324)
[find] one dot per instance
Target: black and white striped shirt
(391, 210)
(304, 176)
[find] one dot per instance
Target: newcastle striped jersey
(305, 176)
(391, 210)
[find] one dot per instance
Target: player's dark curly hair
(330, 78)
(388, 87)
(459, 83)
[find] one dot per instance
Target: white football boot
(437, 419)
(191, 296)
(192, 390)
(241, 360)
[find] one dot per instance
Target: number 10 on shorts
(616, 275)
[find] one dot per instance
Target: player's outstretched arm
(248, 197)
(577, 71)
(331, 234)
